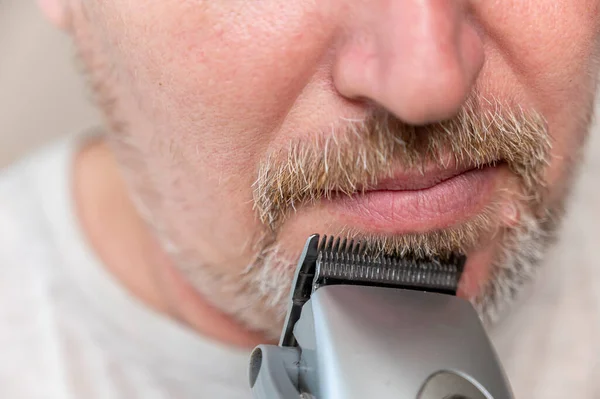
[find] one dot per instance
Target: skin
(202, 90)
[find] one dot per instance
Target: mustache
(357, 154)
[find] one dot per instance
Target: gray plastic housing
(357, 342)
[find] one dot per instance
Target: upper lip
(412, 180)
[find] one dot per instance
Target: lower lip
(448, 203)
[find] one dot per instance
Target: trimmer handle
(356, 342)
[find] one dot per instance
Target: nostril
(426, 100)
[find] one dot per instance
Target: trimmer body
(365, 327)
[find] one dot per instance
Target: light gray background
(41, 93)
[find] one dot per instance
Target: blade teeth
(355, 247)
(329, 245)
(351, 259)
(343, 248)
(322, 243)
(363, 248)
(336, 245)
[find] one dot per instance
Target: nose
(419, 59)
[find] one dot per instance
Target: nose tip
(433, 85)
(420, 61)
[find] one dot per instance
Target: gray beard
(259, 295)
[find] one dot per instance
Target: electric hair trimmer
(363, 326)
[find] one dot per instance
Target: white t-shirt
(69, 330)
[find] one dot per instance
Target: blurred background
(42, 95)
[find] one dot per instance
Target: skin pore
(197, 94)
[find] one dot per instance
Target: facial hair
(357, 155)
(347, 159)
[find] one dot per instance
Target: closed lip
(413, 180)
(417, 202)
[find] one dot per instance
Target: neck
(130, 252)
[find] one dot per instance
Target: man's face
(245, 126)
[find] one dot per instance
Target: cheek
(224, 80)
(551, 49)
(209, 86)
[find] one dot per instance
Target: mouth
(419, 202)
